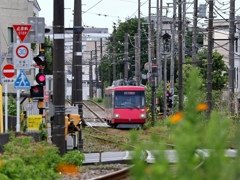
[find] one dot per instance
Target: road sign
(8, 80)
(34, 122)
(37, 32)
(22, 55)
(8, 71)
(22, 81)
(22, 30)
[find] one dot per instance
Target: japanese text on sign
(23, 30)
(34, 122)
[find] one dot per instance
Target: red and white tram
(125, 106)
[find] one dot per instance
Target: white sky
(103, 13)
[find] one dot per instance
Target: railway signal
(37, 90)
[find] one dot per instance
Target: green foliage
(12, 106)
(48, 56)
(98, 100)
(130, 26)
(195, 132)
(23, 158)
(218, 68)
(73, 157)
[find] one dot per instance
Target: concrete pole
(183, 29)
(173, 51)
(149, 38)
(209, 64)
(194, 38)
(138, 73)
(237, 61)
(126, 56)
(180, 56)
(159, 40)
(231, 74)
(90, 78)
(58, 125)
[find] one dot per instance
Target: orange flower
(148, 170)
(67, 169)
(202, 107)
(177, 117)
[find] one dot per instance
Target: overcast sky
(103, 13)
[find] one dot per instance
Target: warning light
(40, 78)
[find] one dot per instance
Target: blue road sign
(22, 81)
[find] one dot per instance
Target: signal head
(40, 78)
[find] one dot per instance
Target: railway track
(93, 114)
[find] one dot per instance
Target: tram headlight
(117, 116)
(142, 116)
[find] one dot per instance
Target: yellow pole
(1, 110)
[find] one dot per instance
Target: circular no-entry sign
(22, 51)
(8, 71)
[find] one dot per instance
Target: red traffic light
(40, 78)
(36, 91)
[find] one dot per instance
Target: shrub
(23, 158)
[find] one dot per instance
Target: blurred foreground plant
(193, 135)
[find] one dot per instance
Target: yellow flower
(202, 107)
(177, 117)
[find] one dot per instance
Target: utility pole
(183, 29)
(231, 74)
(209, 64)
(102, 79)
(126, 56)
(77, 62)
(58, 123)
(114, 54)
(138, 57)
(149, 38)
(194, 38)
(90, 79)
(159, 40)
(96, 67)
(173, 51)
(180, 56)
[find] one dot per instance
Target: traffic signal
(41, 63)
(36, 91)
(40, 77)
(40, 60)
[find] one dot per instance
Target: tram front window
(131, 99)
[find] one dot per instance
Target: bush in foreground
(23, 158)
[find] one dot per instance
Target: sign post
(22, 60)
(8, 72)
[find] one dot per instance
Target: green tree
(219, 67)
(48, 55)
(188, 41)
(130, 26)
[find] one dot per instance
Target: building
(14, 12)
(93, 43)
